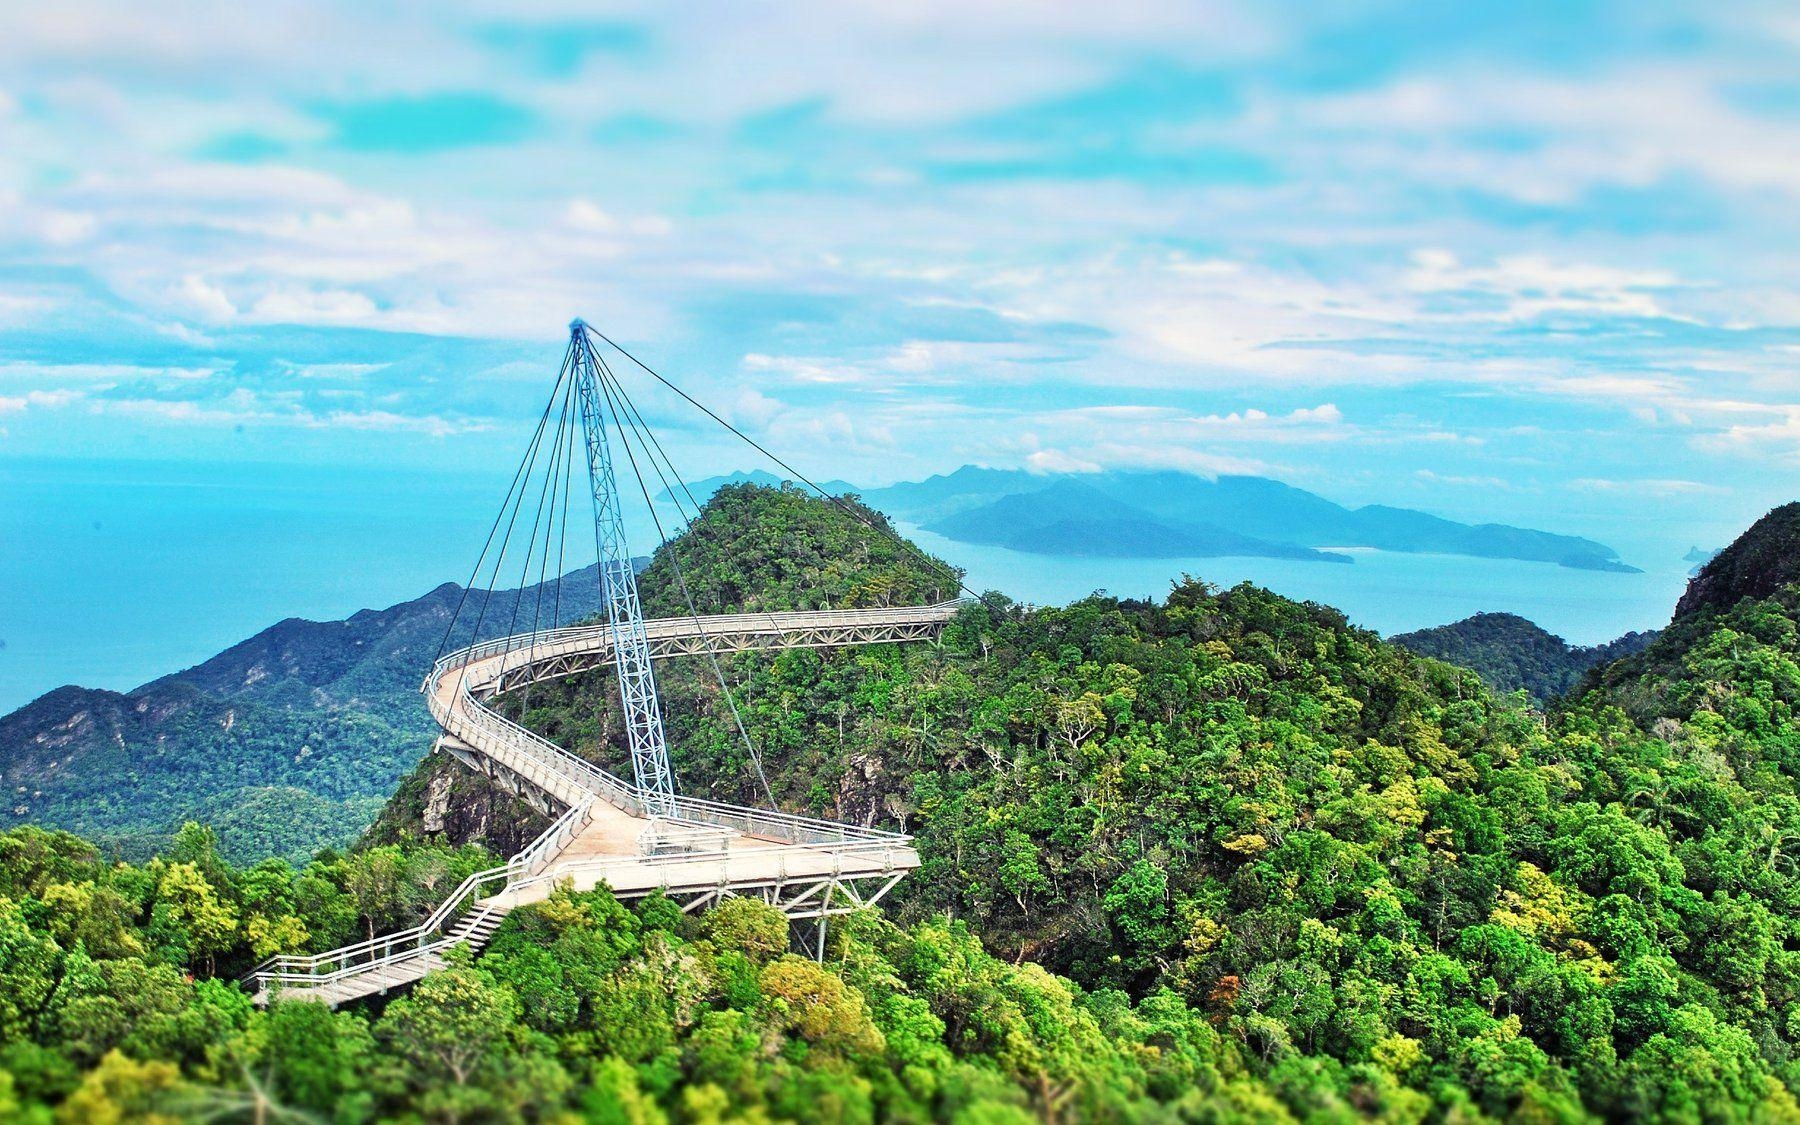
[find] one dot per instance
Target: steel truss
(618, 586)
(544, 662)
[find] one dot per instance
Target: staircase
(475, 930)
(469, 916)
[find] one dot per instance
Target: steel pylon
(618, 585)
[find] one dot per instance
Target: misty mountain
(1169, 514)
(1070, 517)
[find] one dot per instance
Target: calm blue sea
(114, 573)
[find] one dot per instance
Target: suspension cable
(877, 526)
(475, 575)
(610, 385)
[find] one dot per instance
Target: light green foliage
(1219, 858)
(748, 926)
(1336, 849)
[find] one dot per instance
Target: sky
(1523, 262)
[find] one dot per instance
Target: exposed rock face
(862, 790)
(1762, 561)
(445, 801)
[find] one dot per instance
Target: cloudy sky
(1515, 261)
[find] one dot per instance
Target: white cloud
(1056, 461)
(1631, 124)
(205, 300)
(1641, 488)
(1532, 286)
(585, 215)
(315, 306)
(1306, 425)
(1779, 437)
(12, 404)
(1458, 481)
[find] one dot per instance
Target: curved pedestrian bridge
(806, 867)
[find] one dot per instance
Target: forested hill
(287, 742)
(1761, 563)
(1361, 864)
(753, 547)
(1513, 654)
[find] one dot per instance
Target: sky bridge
(637, 836)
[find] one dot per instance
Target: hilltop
(1511, 653)
(1759, 564)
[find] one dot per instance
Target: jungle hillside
(1216, 856)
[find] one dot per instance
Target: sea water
(114, 573)
(1387, 591)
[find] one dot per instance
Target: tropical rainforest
(1220, 856)
(1510, 653)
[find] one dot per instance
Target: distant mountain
(286, 742)
(1071, 517)
(1511, 653)
(1761, 562)
(1165, 513)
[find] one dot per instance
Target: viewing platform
(603, 833)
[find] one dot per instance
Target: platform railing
(593, 638)
(436, 931)
(467, 716)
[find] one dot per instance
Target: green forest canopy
(1217, 857)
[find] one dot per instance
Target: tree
(317, 1059)
(123, 1091)
(455, 1025)
(373, 880)
(189, 905)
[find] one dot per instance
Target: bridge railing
(488, 731)
(589, 637)
(434, 932)
(497, 728)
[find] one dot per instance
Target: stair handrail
(527, 862)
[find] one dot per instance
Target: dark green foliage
(755, 548)
(128, 769)
(1511, 654)
(1758, 565)
(1352, 859)
(579, 1006)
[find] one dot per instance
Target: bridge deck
(808, 868)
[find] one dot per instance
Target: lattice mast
(618, 587)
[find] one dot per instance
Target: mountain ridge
(324, 715)
(1167, 513)
(1757, 564)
